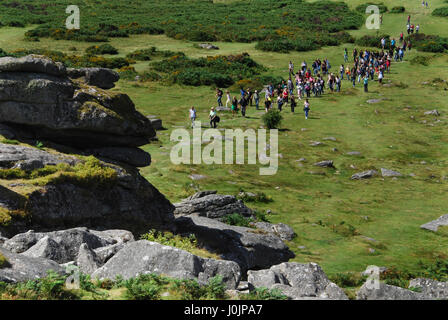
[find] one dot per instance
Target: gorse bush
(150, 53)
(373, 41)
(428, 43)
(272, 119)
(101, 49)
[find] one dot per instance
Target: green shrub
(348, 279)
(144, 287)
(169, 239)
(236, 219)
(420, 60)
(399, 9)
(428, 43)
(264, 294)
(272, 119)
(101, 49)
(441, 12)
(190, 289)
(3, 261)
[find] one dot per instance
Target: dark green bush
(441, 12)
(236, 219)
(399, 9)
(272, 119)
(428, 43)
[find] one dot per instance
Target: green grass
(320, 208)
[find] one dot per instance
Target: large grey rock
(32, 63)
(64, 245)
(86, 260)
(211, 206)
(435, 224)
(297, 281)
(133, 156)
(99, 77)
(387, 292)
(145, 257)
(390, 173)
(248, 247)
(28, 158)
(208, 46)
(55, 108)
(364, 175)
(281, 230)
(21, 268)
(431, 288)
(325, 164)
(432, 113)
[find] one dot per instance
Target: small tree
(272, 119)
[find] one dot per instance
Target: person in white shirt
(192, 116)
(229, 99)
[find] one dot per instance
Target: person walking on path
(219, 95)
(243, 103)
(306, 108)
(234, 106)
(192, 116)
(213, 118)
(366, 83)
(257, 99)
(229, 99)
(293, 103)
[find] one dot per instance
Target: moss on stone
(3, 261)
(89, 173)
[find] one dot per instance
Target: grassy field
(341, 224)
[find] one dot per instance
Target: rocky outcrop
(387, 292)
(144, 257)
(211, 205)
(250, 248)
(390, 173)
(20, 268)
(114, 197)
(435, 224)
(430, 288)
(99, 77)
(297, 281)
(39, 101)
(63, 246)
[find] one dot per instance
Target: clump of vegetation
(89, 173)
(220, 71)
(191, 290)
(428, 43)
(440, 12)
(236, 219)
(398, 9)
(348, 279)
(264, 294)
(422, 60)
(272, 119)
(145, 287)
(187, 243)
(101, 49)
(3, 261)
